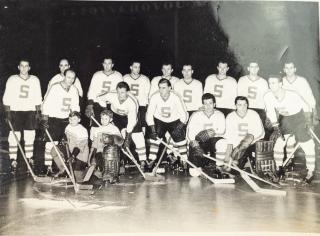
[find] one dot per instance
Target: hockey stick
(242, 171)
(37, 179)
(62, 161)
(314, 135)
(154, 171)
(213, 180)
(291, 155)
(129, 155)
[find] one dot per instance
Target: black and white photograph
(159, 118)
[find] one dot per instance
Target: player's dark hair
(24, 59)
(277, 77)
(75, 113)
(135, 61)
(167, 63)
(123, 84)
(164, 81)
(65, 72)
(188, 64)
(241, 98)
(108, 58)
(107, 112)
(208, 96)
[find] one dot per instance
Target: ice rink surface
(180, 205)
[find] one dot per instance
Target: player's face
(208, 105)
(253, 68)
(135, 68)
(24, 67)
(105, 120)
(122, 94)
(69, 78)
(274, 84)
(166, 70)
(107, 65)
(241, 107)
(64, 65)
(289, 69)
(187, 72)
(223, 68)
(74, 120)
(164, 89)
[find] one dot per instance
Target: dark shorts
(296, 125)
(24, 120)
(56, 128)
(142, 116)
(175, 132)
(122, 121)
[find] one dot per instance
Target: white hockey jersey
(21, 94)
(155, 83)
(253, 90)
(168, 110)
(58, 78)
(59, 102)
(77, 136)
(102, 83)
(225, 90)
(191, 93)
(139, 87)
(199, 121)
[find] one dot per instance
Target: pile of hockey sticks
(147, 176)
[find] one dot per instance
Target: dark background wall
(200, 33)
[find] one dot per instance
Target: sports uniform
(101, 83)
(57, 105)
(224, 90)
(59, 77)
(167, 115)
(191, 94)
(140, 88)
(125, 116)
(22, 100)
(287, 111)
(155, 81)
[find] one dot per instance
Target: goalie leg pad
(195, 153)
(55, 157)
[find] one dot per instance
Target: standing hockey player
(60, 100)
(189, 89)
(63, 66)
(22, 104)
(77, 145)
(125, 116)
(223, 87)
(106, 141)
(102, 81)
(166, 74)
(204, 129)
(301, 86)
(167, 113)
(254, 88)
(243, 129)
(290, 116)
(140, 87)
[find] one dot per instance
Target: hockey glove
(205, 135)
(38, 115)
(153, 133)
(75, 152)
(44, 124)
(89, 111)
(7, 114)
(308, 117)
(127, 141)
(276, 134)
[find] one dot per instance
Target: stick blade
(84, 186)
(44, 179)
(155, 178)
(89, 173)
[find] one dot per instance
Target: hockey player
(223, 87)
(125, 116)
(22, 104)
(290, 116)
(166, 74)
(254, 88)
(102, 81)
(60, 100)
(167, 113)
(204, 129)
(76, 144)
(243, 129)
(189, 89)
(140, 87)
(64, 65)
(106, 141)
(301, 86)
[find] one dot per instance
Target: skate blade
(84, 186)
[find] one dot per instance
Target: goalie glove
(205, 135)
(238, 151)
